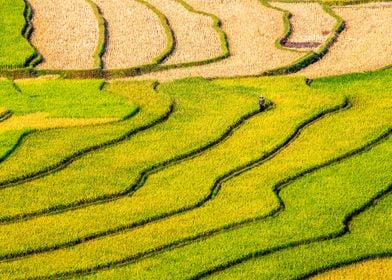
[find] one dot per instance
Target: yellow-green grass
(316, 207)
(198, 119)
(374, 269)
(173, 189)
(348, 130)
(64, 145)
(368, 237)
(43, 104)
(63, 98)
(15, 50)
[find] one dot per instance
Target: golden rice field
(184, 139)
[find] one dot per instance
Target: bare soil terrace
(135, 33)
(364, 45)
(251, 29)
(195, 36)
(65, 33)
(310, 23)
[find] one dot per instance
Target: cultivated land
(104, 178)
(364, 45)
(135, 34)
(70, 40)
(310, 23)
(252, 49)
(195, 37)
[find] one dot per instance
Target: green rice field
(105, 174)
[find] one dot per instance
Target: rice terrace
(190, 139)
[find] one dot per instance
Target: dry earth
(65, 33)
(311, 24)
(251, 29)
(365, 44)
(136, 35)
(374, 269)
(42, 121)
(195, 36)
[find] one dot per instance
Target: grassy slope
(61, 145)
(185, 131)
(63, 98)
(315, 207)
(14, 48)
(256, 137)
(58, 98)
(366, 172)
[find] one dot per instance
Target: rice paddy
(148, 139)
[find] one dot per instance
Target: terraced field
(133, 144)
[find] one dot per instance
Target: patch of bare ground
(135, 34)
(251, 30)
(375, 269)
(42, 121)
(364, 45)
(65, 33)
(311, 25)
(195, 36)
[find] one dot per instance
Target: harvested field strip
(65, 41)
(189, 95)
(371, 269)
(298, 222)
(207, 190)
(15, 50)
(311, 25)
(252, 49)
(195, 37)
(135, 34)
(367, 237)
(356, 50)
(311, 56)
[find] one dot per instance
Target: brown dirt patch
(65, 33)
(311, 24)
(251, 29)
(136, 35)
(196, 38)
(375, 269)
(364, 45)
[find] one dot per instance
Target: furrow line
(257, 254)
(139, 181)
(213, 193)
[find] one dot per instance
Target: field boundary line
(68, 160)
(171, 38)
(102, 37)
(311, 56)
(340, 233)
(28, 132)
(213, 193)
(139, 182)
